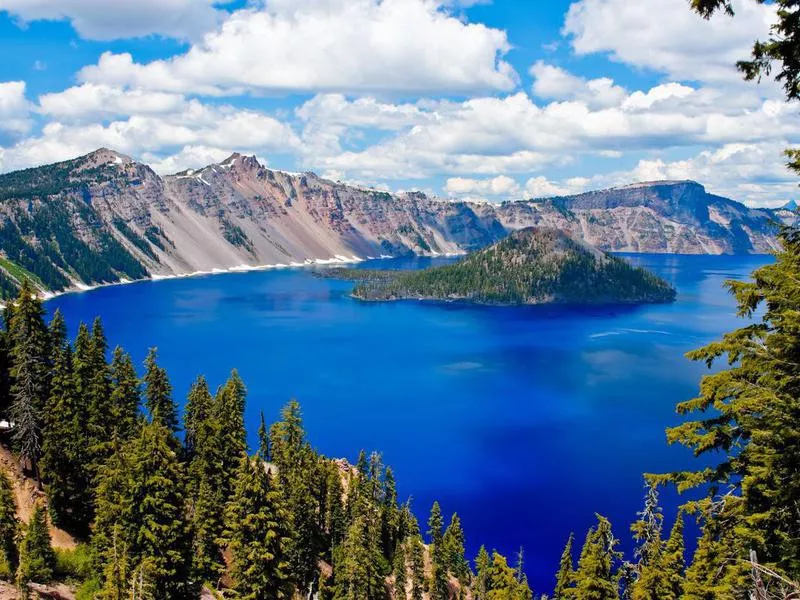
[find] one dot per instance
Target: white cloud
(14, 108)
(91, 101)
(501, 185)
(554, 83)
(109, 20)
(541, 187)
(666, 36)
(641, 100)
(327, 45)
(193, 125)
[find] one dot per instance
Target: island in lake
(531, 266)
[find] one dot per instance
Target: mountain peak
(104, 156)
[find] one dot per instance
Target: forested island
(530, 266)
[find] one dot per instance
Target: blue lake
(525, 421)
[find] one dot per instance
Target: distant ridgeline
(531, 266)
(104, 218)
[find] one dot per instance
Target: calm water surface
(525, 421)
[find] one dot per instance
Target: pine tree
(98, 396)
(335, 522)
(749, 414)
(30, 372)
(480, 585)
(263, 441)
(36, 557)
(160, 532)
(417, 556)
(158, 394)
(198, 410)
(209, 483)
(390, 514)
(58, 331)
(9, 526)
(594, 579)
(229, 409)
(453, 549)
(358, 573)
(400, 571)
(258, 540)
(566, 571)
(503, 583)
(65, 451)
(438, 587)
(125, 396)
(297, 471)
(114, 526)
(673, 562)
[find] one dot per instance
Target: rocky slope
(659, 217)
(104, 217)
(531, 266)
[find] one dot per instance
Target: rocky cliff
(104, 217)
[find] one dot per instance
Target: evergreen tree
(750, 415)
(229, 407)
(257, 536)
(30, 372)
(566, 571)
(58, 332)
(400, 570)
(198, 410)
(439, 586)
(453, 549)
(480, 585)
(417, 559)
(300, 480)
(335, 523)
(158, 394)
(98, 396)
(36, 557)
(65, 455)
(358, 573)
(390, 514)
(503, 583)
(9, 526)
(208, 481)
(160, 533)
(125, 396)
(263, 441)
(114, 526)
(673, 562)
(594, 579)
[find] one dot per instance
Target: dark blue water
(523, 420)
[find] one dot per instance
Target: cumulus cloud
(332, 45)
(501, 185)
(194, 125)
(98, 20)
(14, 108)
(91, 101)
(554, 83)
(542, 187)
(665, 36)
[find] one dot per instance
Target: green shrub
(88, 590)
(74, 563)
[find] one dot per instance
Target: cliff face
(660, 217)
(104, 217)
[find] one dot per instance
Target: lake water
(526, 421)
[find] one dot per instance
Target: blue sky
(493, 99)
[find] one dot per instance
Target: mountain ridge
(104, 217)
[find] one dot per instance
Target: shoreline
(80, 288)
